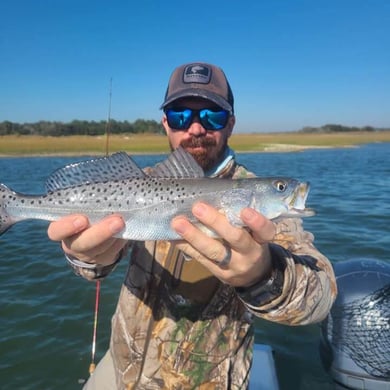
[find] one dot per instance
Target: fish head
(282, 197)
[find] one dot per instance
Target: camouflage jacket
(176, 326)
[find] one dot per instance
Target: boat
(263, 371)
(355, 336)
(355, 343)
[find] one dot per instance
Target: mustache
(204, 157)
(196, 142)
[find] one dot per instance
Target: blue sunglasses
(210, 119)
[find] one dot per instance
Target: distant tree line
(332, 128)
(83, 127)
(80, 127)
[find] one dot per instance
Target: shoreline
(141, 144)
(272, 148)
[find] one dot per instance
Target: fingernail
(115, 226)
(79, 223)
(178, 224)
(249, 214)
(199, 210)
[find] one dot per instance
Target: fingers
(67, 226)
(104, 254)
(201, 245)
(263, 230)
(95, 235)
(250, 257)
(89, 243)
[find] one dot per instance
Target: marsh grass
(152, 143)
(296, 141)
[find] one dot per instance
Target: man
(183, 316)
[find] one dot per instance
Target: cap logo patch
(197, 74)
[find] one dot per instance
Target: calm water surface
(46, 313)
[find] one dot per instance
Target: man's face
(206, 146)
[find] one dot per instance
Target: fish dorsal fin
(118, 166)
(179, 164)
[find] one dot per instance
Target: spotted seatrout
(116, 184)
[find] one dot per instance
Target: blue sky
(290, 63)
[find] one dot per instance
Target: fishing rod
(92, 365)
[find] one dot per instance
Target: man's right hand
(92, 244)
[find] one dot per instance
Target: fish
(149, 201)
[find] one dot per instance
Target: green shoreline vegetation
(32, 145)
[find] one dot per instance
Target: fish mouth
(297, 201)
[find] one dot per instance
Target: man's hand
(250, 260)
(93, 244)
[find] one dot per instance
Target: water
(46, 313)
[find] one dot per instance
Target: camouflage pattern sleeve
(309, 285)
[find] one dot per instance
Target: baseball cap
(202, 80)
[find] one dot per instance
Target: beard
(209, 156)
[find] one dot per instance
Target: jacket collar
(225, 167)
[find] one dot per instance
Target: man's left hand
(250, 257)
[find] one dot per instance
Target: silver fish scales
(116, 184)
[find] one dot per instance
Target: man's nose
(196, 128)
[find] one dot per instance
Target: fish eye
(280, 185)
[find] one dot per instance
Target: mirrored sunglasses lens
(179, 119)
(213, 120)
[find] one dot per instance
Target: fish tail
(5, 219)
